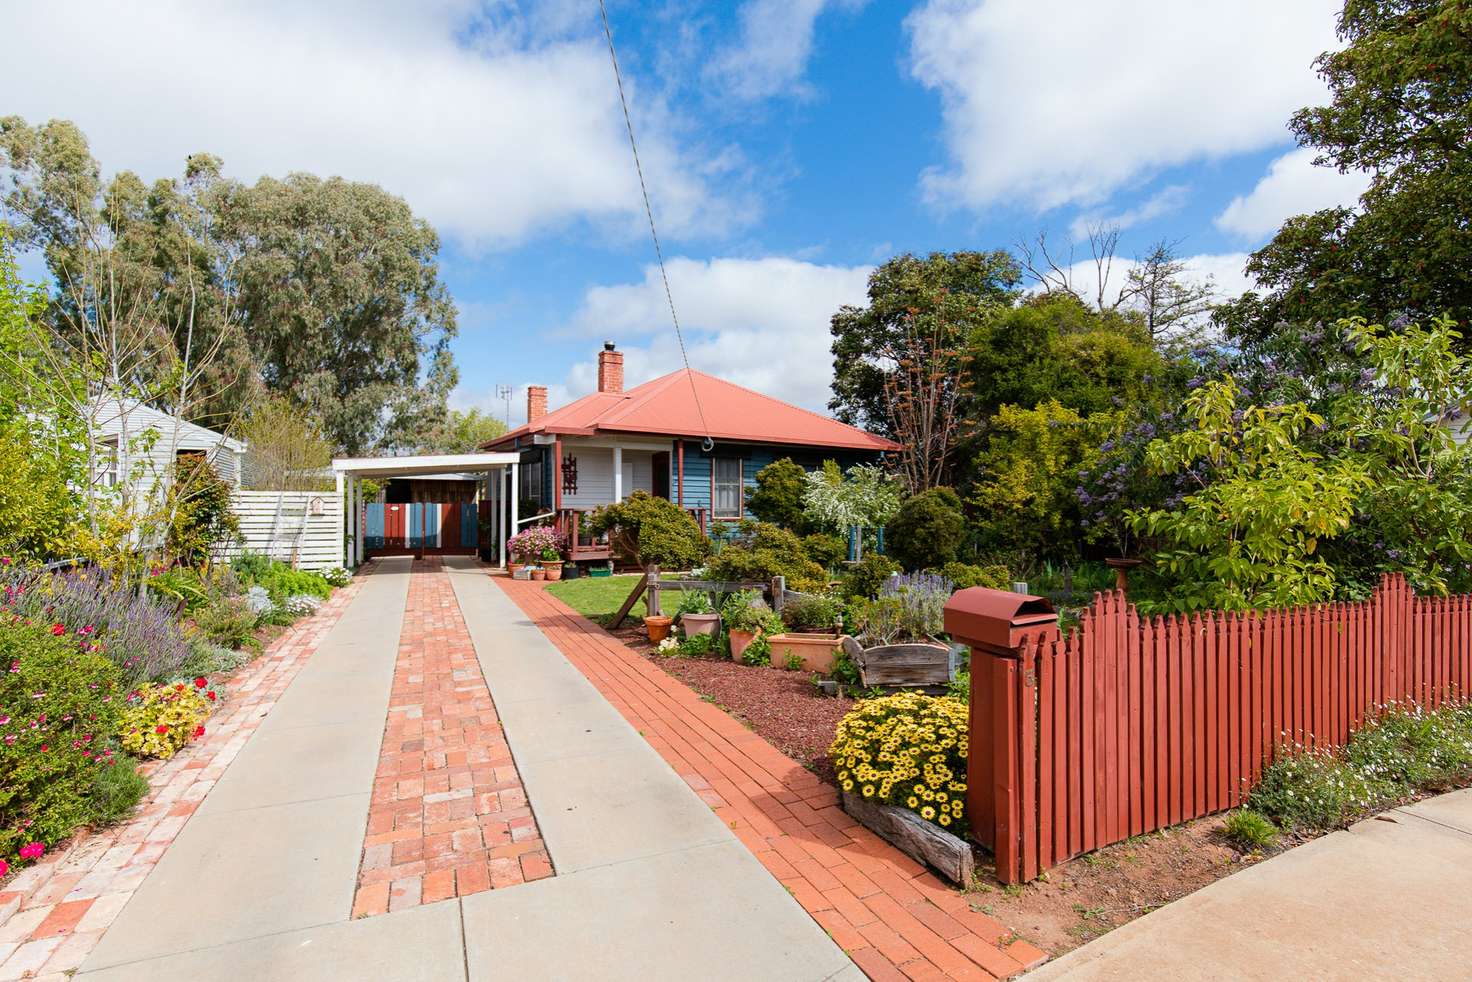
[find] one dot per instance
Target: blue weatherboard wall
(753, 458)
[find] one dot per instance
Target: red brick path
(894, 918)
(53, 914)
(449, 815)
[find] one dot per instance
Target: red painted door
(393, 526)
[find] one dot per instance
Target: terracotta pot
(538, 573)
(658, 628)
(740, 641)
(553, 571)
(694, 624)
(512, 566)
(815, 650)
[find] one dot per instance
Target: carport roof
(422, 466)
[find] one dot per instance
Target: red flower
(179, 686)
(161, 729)
(210, 695)
(201, 682)
(198, 732)
(32, 850)
(58, 629)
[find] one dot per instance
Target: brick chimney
(536, 402)
(610, 369)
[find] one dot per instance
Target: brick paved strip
(53, 914)
(895, 919)
(449, 815)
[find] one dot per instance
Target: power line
(649, 213)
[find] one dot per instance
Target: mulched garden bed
(782, 707)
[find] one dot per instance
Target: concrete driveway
(1388, 898)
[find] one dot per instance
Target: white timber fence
(303, 528)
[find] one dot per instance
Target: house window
(725, 487)
(533, 473)
(108, 464)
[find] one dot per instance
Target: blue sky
(790, 145)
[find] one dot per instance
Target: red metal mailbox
(999, 621)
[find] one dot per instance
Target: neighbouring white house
(141, 445)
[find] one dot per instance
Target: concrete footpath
(1388, 898)
(648, 883)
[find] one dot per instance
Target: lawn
(599, 598)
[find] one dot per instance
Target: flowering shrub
(908, 608)
(907, 750)
(228, 621)
(337, 576)
(528, 545)
(301, 605)
(137, 632)
(159, 719)
(1405, 750)
(59, 702)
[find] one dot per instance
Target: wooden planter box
(815, 650)
(925, 842)
(917, 664)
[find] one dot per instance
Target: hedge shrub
(651, 531)
(907, 750)
(766, 551)
(58, 682)
(927, 530)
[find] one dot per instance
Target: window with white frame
(725, 487)
(107, 462)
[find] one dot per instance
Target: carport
(501, 488)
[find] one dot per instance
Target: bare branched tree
(1057, 274)
(1172, 306)
(922, 399)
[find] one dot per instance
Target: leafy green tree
(41, 464)
(326, 291)
(777, 497)
(1250, 535)
(928, 529)
(463, 432)
(948, 289)
(1415, 512)
(1055, 347)
(201, 517)
(1025, 500)
(285, 450)
(1400, 109)
(764, 551)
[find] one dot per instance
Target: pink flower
(4, 868)
(32, 850)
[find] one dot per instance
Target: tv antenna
(504, 392)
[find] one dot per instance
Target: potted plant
(896, 642)
(528, 546)
(698, 614)
(749, 621)
(812, 632)
(552, 563)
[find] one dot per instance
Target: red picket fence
(1130, 724)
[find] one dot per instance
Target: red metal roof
(666, 406)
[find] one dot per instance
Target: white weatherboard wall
(304, 528)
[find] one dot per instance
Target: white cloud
(1163, 202)
(1054, 102)
(772, 53)
(761, 323)
(492, 124)
(1292, 186)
